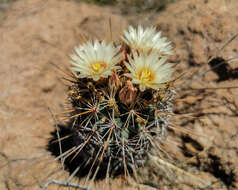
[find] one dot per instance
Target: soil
(37, 35)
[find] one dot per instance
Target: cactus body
(120, 115)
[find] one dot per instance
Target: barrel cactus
(120, 98)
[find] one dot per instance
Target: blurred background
(34, 34)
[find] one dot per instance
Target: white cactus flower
(148, 40)
(96, 60)
(149, 71)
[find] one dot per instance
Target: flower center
(98, 66)
(145, 75)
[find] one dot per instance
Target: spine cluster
(121, 102)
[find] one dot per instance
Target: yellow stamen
(97, 66)
(145, 75)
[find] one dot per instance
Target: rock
(199, 29)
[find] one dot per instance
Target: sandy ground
(36, 34)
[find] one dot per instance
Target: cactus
(120, 98)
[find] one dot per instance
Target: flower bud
(128, 93)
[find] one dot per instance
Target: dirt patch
(199, 30)
(36, 34)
